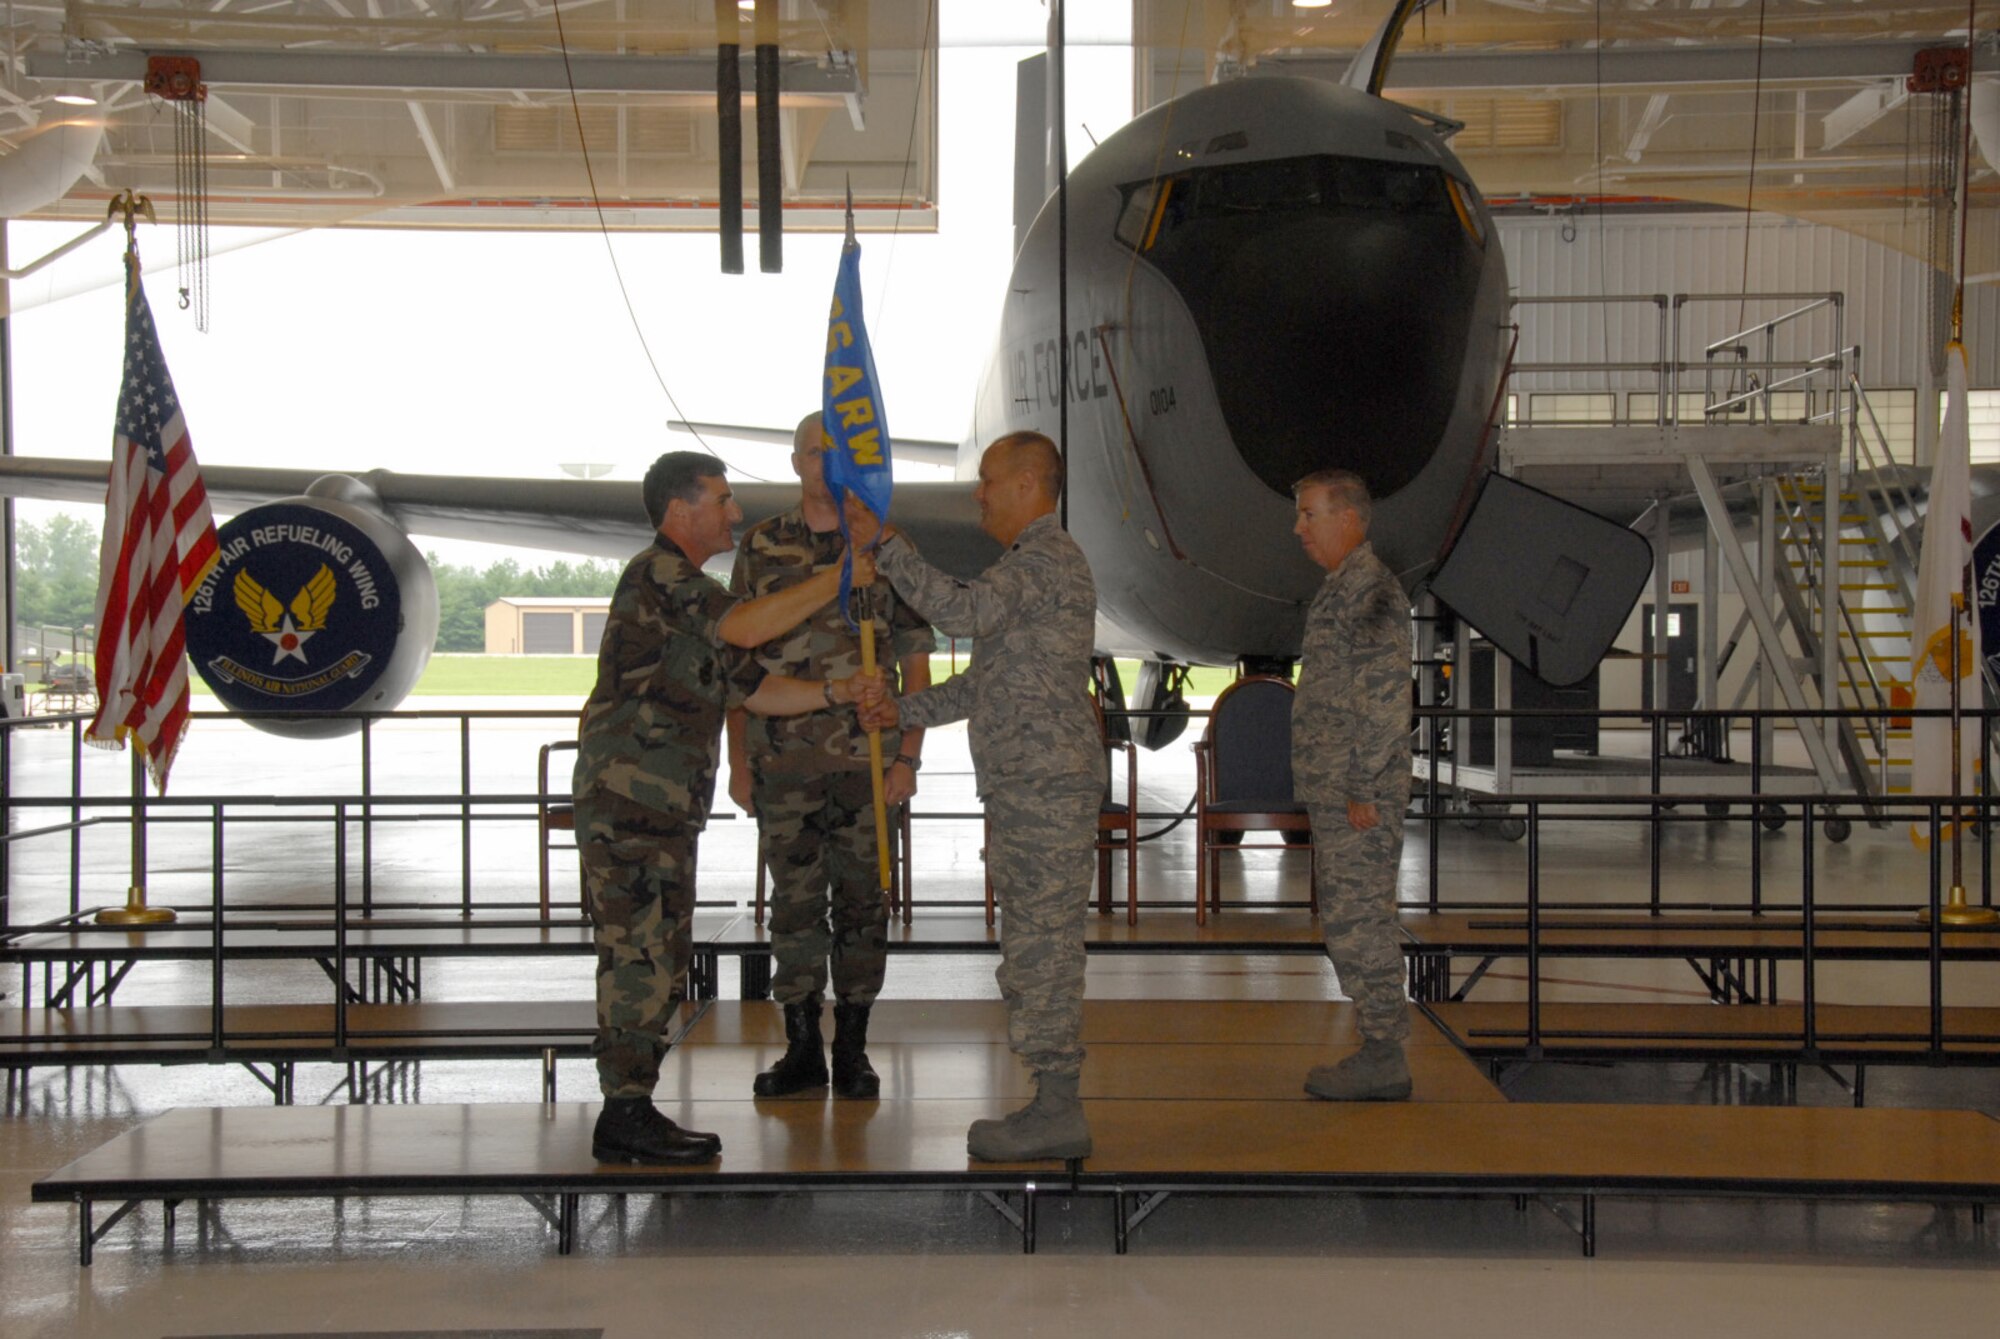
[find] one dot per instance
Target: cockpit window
(1321, 183)
(1136, 218)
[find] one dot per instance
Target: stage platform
(1841, 1034)
(1736, 955)
(1183, 1098)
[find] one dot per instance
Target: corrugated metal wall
(1705, 254)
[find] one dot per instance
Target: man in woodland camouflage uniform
(670, 664)
(1039, 758)
(1351, 764)
(806, 780)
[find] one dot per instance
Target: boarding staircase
(1873, 593)
(1761, 420)
(1766, 415)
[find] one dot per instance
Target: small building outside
(548, 625)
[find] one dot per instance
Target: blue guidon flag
(857, 457)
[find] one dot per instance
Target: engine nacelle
(319, 603)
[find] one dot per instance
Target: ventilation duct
(49, 162)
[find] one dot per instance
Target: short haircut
(801, 443)
(1038, 455)
(677, 474)
(1347, 488)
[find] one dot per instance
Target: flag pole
(875, 779)
(135, 911)
(876, 784)
(1957, 910)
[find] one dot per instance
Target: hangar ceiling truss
(459, 113)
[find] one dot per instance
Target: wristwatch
(914, 764)
(826, 691)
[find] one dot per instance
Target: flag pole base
(135, 911)
(1958, 912)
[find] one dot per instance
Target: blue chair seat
(1243, 779)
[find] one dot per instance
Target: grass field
(571, 676)
(460, 675)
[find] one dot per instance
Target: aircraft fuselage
(1265, 278)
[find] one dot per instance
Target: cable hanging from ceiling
(176, 81)
(1942, 81)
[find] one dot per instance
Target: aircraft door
(1683, 636)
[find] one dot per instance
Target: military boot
(1051, 1126)
(803, 1064)
(631, 1129)
(1378, 1072)
(853, 1076)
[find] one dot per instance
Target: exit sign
(1678, 587)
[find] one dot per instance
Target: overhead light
(1311, 4)
(746, 4)
(75, 99)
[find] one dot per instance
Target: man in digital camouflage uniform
(1039, 759)
(669, 666)
(1351, 765)
(806, 779)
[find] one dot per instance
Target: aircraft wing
(599, 517)
(925, 451)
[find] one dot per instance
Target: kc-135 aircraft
(1265, 277)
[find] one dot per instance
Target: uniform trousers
(1041, 856)
(1354, 881)
(819, 839)
(638, 877)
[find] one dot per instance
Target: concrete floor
(933, 1263)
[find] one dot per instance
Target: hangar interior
(1731, 233)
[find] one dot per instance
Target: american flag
(159, 545)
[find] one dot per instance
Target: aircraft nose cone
(1336, 339)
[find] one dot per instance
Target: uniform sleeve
(700, 605)
(909, 633)
(1001, 595)
(742, 675)
(951, 700)
(1381, 686)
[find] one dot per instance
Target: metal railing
(344, 905)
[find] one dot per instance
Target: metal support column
(1760, 619)
(1765, 594)
(1711, 632)
(1829, 601)
(1662, 593)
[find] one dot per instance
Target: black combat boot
(853, 1076)
(631, 1129)
(803, 1065)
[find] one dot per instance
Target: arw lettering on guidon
(856, 413)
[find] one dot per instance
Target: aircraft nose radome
(1348, 360)
(1335, 340)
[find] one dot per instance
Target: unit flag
(857, 457)
(1941, 569)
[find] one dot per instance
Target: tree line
(55, 582)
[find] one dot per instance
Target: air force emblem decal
(310, 614)
(287, 629)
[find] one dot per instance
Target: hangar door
(593, 632)
(548, 634)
